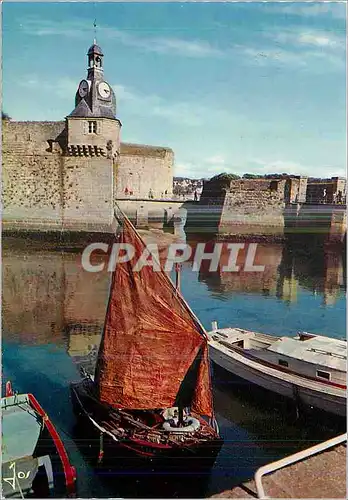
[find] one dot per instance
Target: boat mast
(178, 276)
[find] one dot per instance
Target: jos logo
(15, 476)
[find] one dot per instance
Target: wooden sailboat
(151, 395)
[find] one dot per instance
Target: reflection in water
(225, 284)
(315, 266)
(49, 296)
(53, 315)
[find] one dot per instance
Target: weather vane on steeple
(95, 31)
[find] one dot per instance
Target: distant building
(185, 188)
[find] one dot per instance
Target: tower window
(92, 127)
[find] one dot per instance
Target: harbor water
(53, 314)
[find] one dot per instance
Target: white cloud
(263, 166)
(321, 40)
(301, 36)
(161, 45)
(124, 94)
(318, 50)
(207, 169)
(178, 112)
(216, 160)
(196, 169)
(316, 60)
(336, 10)
(46, 27)
(188, 48)
(280, 56)
(63, 87)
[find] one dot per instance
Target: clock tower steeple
(94, 91)
(93, 123)
(95, 62)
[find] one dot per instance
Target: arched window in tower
(98, 62)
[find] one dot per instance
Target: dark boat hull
(139, 455)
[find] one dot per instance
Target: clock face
(83, 88)
(104, 90)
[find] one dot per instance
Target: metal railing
(279, 464)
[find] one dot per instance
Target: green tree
(252, 176)
(225, 177)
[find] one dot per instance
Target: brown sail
(152, 343)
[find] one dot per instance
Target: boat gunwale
(69, 470)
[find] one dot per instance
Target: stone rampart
(32, 170)
(45, 187)
(144, 172)
(253, 207)
(241, 206)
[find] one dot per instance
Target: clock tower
(92, 126)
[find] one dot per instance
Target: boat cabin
(315, 356)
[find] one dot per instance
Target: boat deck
(21, 428)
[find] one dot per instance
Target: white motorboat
(308, 368)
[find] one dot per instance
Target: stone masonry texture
(43, 181)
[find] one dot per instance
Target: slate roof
(82, 110)
(95, 49)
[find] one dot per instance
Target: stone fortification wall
(244, 206)
(41, 184)
(31, 174)
(154, 213)
(332, 190)
(296, 189)
(87, 191)
(214, 191)
(29, 138)
(44, 186)
(144, 172)
(253, 206)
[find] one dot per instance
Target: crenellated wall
(49, 184)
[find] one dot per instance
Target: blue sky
(231, 87)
